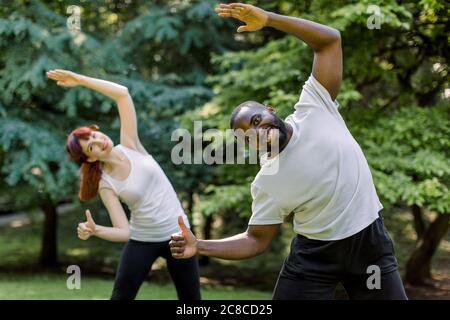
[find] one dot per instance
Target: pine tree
(160, 50)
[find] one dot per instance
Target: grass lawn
(19, 253)
(20, 246)
(53, 287)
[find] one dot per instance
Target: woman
(127, 173)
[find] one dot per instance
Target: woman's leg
(185, 275)
(135, 264)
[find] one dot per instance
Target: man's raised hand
(254, 18)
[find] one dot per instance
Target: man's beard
(282, 136)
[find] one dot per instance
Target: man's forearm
(315, 35)
(240, 246)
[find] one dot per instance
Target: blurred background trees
(182, 63)
(159, 50)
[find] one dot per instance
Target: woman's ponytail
(90, 172)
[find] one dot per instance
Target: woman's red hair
(90, 172)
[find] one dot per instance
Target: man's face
(259, 120)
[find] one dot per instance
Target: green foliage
(409, 151)
(392, 14)
(32, 154)
(250, 75)
(222, 198)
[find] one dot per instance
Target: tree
(408, 150)
(159, 50)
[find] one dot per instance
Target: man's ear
(270, 108)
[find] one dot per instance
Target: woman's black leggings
(136, 262)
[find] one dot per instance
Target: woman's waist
(159, 214)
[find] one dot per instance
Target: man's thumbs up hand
(183, 244)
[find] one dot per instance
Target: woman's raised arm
(127, 113)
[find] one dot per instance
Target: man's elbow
(261, 250)
(332, 41)
(335, 37)
(261, 245)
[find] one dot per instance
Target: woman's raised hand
(64, 78)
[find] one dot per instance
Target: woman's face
(97, 146)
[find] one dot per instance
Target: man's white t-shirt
(321, 176)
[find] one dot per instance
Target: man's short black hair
(238, 109)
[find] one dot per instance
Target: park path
(20, 218)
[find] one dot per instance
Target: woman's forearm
(112, 234)
(315, 35)
(108, 88)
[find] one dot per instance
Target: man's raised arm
(324, 40)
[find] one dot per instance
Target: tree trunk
(189, 209)
(418, 267)
(204, 260)
(419, 222)
(49, 253)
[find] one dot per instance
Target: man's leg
(302, 287)
(373, 257)
(311, 271)
(391, 288)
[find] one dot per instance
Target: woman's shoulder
(131, 149)
(106, 183)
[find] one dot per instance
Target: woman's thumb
(89, 219)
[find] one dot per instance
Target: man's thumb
(242, 29)
(89, 219)
(182, 226)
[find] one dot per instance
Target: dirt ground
(437, 289)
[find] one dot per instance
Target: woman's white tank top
(150, 197)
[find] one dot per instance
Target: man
(323, 179)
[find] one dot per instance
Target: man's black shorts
(315, 267)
